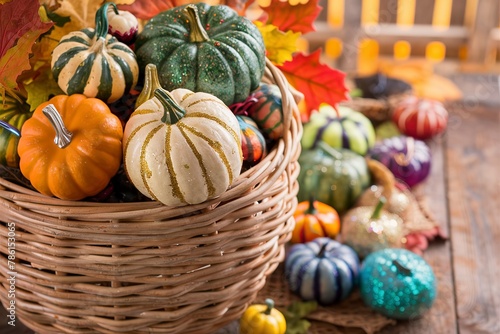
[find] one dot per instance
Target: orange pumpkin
(314, 219)
(74, 162)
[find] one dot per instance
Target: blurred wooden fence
(355, 33)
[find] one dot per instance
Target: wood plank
(441, 318)
(458, 12)
(487, 18)
(474, 187)
(388, 11)
(424, 12)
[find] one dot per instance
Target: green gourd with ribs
(336, 177)
(13, 113)
(204, 48)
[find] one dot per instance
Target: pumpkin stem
(404, 159)
(151, 83)
(101, 20)
(322, 250)
(329, 150)
(337, 111)
(311, 210)
(241, 108)
(172, 111)
(197, 32)
(401, 268)
(270, 305)
(10, 128)
(378, 209)
(63, 136)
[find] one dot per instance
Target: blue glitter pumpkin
(323, 270)
(397, 283)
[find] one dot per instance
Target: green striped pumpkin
(182, 147)
(253, 143)
(14, 113)
(336, 177)
(267, 111)
(94, 63)
(340, 128)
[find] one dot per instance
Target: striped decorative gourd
(267, 112)
(14, 113)
(182, 147)
(94, 63)
(340, 128)
(253, 143)
(323, 270)
(420, 118)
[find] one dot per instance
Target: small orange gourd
(314, 219)
(71, 147)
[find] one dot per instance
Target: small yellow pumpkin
(182, 147)
(71, 147)
(263, 319)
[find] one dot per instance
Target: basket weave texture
(85, 267)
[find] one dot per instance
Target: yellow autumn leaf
(81, 12)
(280, 45)
(81, 15)
(41, 89)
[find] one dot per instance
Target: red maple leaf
(298, 18)
(20, 28)
(146, 9)
(318, 82)
(16, 19)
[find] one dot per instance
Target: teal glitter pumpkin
(397, 283)
(204, 48)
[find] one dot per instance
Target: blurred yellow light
(333, 47)
(302, 45)
(370, 12)
(442, 13)
(402, 50)
(368, 56)
(435, 51)
(406, 12)
(335, 13)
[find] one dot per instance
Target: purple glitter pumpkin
(407, 158)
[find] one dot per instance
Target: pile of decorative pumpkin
(172, 113)
(348, 235)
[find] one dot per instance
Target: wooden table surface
(463, 194)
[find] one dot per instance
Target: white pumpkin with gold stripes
(182, 147)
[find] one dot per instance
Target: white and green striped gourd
(94, 63)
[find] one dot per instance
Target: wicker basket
(84, 267)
